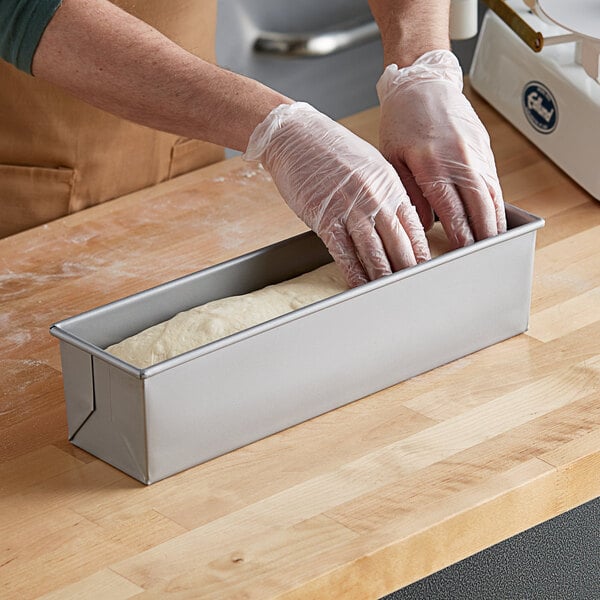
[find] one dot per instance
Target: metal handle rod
(534, 39)
(319, 43)
(463, 24)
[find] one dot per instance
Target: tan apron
(59, 155)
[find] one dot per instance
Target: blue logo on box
(540, 107)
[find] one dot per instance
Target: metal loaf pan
(157, 421)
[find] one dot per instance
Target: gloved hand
(441, 150)
(343, 189)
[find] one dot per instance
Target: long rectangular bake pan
(157, 421)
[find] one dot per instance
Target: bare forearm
(409, 28)
(108, 58)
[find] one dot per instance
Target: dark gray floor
(557, 560)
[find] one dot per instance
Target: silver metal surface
(317, 43)
(339, 84)
(154, 422)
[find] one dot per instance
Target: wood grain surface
(353, 504)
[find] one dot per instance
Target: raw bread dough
(220, 318)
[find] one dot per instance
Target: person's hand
(343, 189)
(441, 150)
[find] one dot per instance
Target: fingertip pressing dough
(217, 319)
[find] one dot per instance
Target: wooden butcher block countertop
(353, 504)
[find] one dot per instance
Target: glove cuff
(274, 122)
(435, 65)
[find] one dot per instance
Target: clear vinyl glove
(343, 189)
(441, 150)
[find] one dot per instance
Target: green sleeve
(22, 23)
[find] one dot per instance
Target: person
(99, 99)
